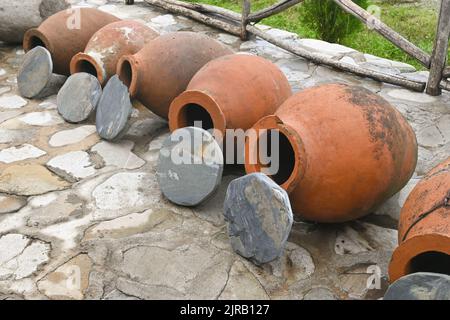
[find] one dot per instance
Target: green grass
(415, 23)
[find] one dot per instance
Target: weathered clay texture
(163, 68)
(424, 228)
(108, 45)
(343, 151)
(66, 33)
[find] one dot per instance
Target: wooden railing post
(439, 56)
(246, 8)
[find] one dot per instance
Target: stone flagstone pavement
(82, 218)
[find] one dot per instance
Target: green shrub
(328, 20)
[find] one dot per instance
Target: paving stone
(152, 154)
(10, 203)
(16, 135)
(6, 115)
(179, 273)
(420, 286)
(349, 60)
(118, 154)
(134, 223)
(113, 110)
(295, 261)
(71, 136)
(364, 237)
(227, 38)
(4, 89)
(324, 47)
(190, 166)
(320, 293)
(259, 217)
(242, 285)
(79, 97)
(68, 281)
(66, 203)
(407, 95)
(126, 190)
(35, 78)
(19, 153)
(12, 102)
(72, 166)
(44, 118)
(443, 126)
(29, 179)
(25, 262)
(164, 20)
(430, 137)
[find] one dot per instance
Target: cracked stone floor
(82, 218)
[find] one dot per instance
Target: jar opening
(430, 261)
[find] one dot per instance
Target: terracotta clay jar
(230, 92)
(66, 33)
(424, 228)
(108, 44)
(343, 150)
(163, 68)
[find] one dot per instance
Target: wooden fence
(243, 24)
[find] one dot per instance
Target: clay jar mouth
(127, 70)
(83, 62)
(427, 253)
(291, 151)
(193, 106)
(34, 38)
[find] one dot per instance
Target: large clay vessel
(108, 44)
(230, 92)
(343, 151)
(17, 16)
(424, 228)
(163, 68)
(66, 33)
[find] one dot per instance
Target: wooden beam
(206, 8)
(228, 26)
(324, 60)
(439, 56)
(273, 9)
(384, 30)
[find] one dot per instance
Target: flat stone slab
(35, 72)
(12, 102)
(19, 153)
(118, 154)
(71, 136)
(114, 110)
(29, 180)
(79, 97)
(420, 286)
(10, 203)
(190, 166)
(41, 119)
(259, 217)
(127, 190)
(68, 281)
(21, 256)
(6, 115)
(72, 166)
